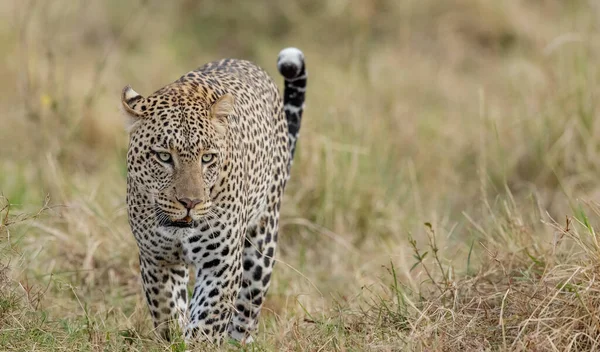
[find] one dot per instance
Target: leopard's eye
(207, 158)
(164, 157)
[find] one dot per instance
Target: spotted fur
(208, 160)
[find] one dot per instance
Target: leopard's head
(176, 150)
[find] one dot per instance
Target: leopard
(208, 159)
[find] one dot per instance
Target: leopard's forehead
(178, 120)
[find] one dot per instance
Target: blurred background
(477, 118)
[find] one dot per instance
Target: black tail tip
(290, 62)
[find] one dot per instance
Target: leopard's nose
(189, 203)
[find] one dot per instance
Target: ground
(444, 194)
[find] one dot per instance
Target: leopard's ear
(133, 106)
(220, 110)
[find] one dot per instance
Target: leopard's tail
(290, 64)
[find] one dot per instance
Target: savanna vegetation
(445, 193)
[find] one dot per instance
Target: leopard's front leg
(217, 258)
(165, 289)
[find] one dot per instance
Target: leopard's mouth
(166, 221)
(186, 222)
(183, 223)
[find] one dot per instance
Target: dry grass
(444, 195)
